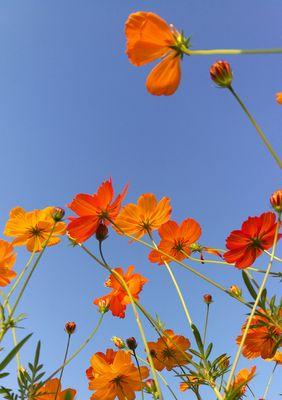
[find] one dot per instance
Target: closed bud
(102, 232)
(70, 327)
(118, 342)
(150, 387)
(276, 200)
(221, 74)
(235, 290)
(131, 343)
(224, 363)
(207, 298)
(58, 214)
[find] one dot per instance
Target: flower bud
(118, 342)
(58, 214)
(276, 200)
(207, 298)
(235, 290)
(150, 387)
(70, 327)
(224, 363)
(221, 74)
(102, 232)
(103, 306)
(279, 98)
(131, 343)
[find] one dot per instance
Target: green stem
(206, 324)
(80, 348)
(62, 370)
(239, 351)
(139, 371)
(14, 334)
(275, 258)
(13, 288)
(232, 52)
(269, 382)
(257, 127)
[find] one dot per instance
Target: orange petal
(148, 37)
(164, 79)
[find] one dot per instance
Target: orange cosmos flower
(277, 358)
(114, 375)
(49, 390)
(118, 299)
(93, 210)
(193, 381)
(7, 261)
(33, 228)
(169, 351)
(279, 97)
(256, 235)
(145, 216)
(263, 337)
(240, 382)
(276, 200)
(149, 37)
(176, 239)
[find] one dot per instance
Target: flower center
(256, 243)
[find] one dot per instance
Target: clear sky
(74, 111)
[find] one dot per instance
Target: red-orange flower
(176, 239)
(33, 228)
(279, 97)
(114, 375)
(7, 261)
(93, 210)
(149, 37)
(147, 215)
(256, 235)
(263, 337)
(52, 390)
(118, 299)
(169, 351)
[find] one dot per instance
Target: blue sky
(74, 111)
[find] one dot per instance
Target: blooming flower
(7, 261)
(169, 351)
(33, 228)
(276, 358)
(240, 382)
(93, 210)
(149, 37)
(263, 337)
(279, 97)
(118, 299)
(114, 375)
(52, 390)
(190, 383)
(256, 235)
(176, 239)
(147, 215)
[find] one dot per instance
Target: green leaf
(249, 286)
(13, 352)
(4, 374)
(68, 396)
(198, 338)
(208, 351)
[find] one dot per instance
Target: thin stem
(269, 382)
(17, 281)
(14, 334)
(62, 370)
(139, 371)
(275, 258)
(239, 351)
(80, 348)
(32, 271)
(194, 271)
(257, 127)
(138, 321)
(206, 324)
(232, 52)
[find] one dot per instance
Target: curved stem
(206, 324)
(239, 351)
(269, 381)
(232, 52)
(139, 371)
(62, 370)
(257, 127)
(80, 348)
